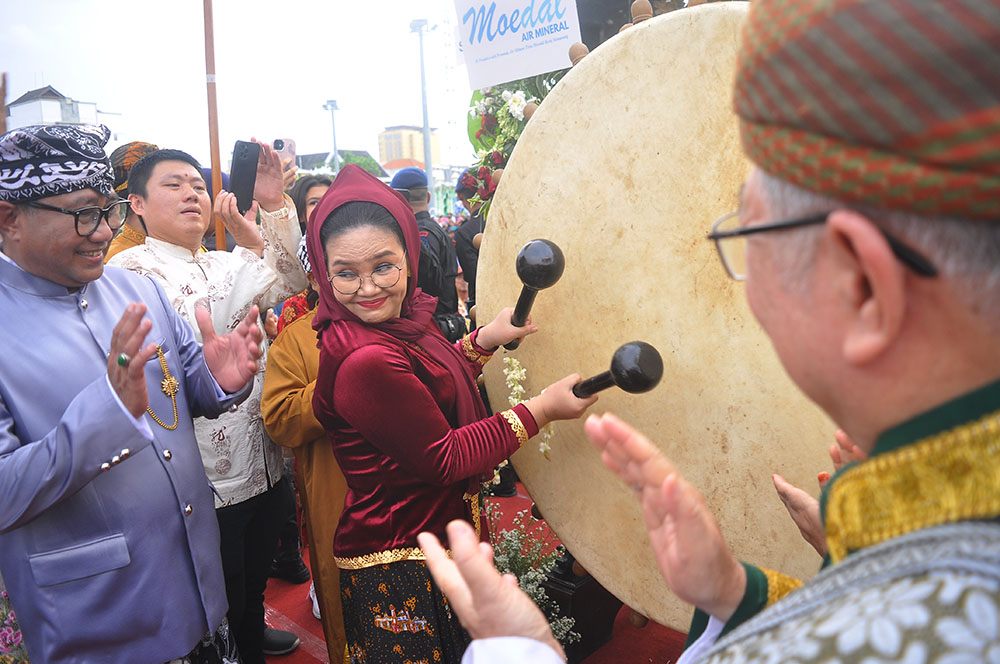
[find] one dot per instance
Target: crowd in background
(159, 223)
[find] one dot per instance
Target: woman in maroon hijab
(401, 409)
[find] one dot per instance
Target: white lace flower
(974, 636)
(516, 104)
(916, 653)
(953, 586)
(543, 443)
(878, 617)
(506, 95)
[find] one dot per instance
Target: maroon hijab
(341, 332)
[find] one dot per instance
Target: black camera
(279, 144)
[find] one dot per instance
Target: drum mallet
(635, 367)
(539, 264)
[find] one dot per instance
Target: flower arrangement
(12, 648)
(514, 374)
(497, 116)
(480, 180)
(530, 552)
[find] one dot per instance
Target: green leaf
(364, 161)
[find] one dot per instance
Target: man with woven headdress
(869, 238)
(123, 158)
(109, 542)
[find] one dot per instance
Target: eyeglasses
(733, 252)
(88, 219)
(384, 276)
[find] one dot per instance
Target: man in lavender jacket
(108, 537)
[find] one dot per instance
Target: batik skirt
(395, 613)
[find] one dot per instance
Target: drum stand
(582, 598)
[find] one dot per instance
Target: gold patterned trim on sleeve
(778, 585)
(380, 558)
(473, 500)
(474, 355)
(517, 425)
(952, 476)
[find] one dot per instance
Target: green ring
(123, 360)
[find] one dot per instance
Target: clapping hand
(232, 358)
(802, 507)
(271, 325)
(687, 542)
(487, 604)
(127, 358)
(804, 510)
(845, 451)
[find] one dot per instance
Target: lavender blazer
(103, 563)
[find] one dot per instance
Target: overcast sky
(277, 62)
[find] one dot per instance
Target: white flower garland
(516, 101)
(514, 374)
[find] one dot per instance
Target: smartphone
(285, 147)
(243, 173)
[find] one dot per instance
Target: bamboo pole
(213, 121)
(3, 103)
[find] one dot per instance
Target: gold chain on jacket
(170, 387)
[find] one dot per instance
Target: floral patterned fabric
(395, 613)
(295, 308)
(239, 457)
(930, 596)
(12, 648)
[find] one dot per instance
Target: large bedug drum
(624, 166)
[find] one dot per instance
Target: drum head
(624, 166)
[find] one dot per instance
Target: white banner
(504, 40)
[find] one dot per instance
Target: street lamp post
(419, 26)
(331, 105)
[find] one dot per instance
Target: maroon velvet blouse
(389, 412)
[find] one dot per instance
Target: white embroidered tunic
(239, 457)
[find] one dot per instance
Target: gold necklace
(170, 387)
